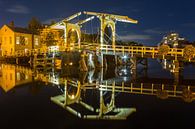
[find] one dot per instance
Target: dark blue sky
(156, 18)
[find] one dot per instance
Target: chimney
(12, 23)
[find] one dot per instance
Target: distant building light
(174, 34)
(181, 38)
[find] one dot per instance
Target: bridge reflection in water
(104, 84)
(105, 111)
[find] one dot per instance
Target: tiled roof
(20, 30)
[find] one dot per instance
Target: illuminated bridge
(94, 54)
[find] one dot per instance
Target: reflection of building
(13, 39)
(12, 76)
(172, 39)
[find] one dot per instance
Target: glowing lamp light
(70, 63)
(72, 96)
(124, 57)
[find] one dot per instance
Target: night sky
(156, 17)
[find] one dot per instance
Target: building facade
(16, 40)
(173, 40)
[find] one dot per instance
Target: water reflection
(12, 76)
(102, 111)
(104, 84)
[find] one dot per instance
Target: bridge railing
(160, 90)
(140, 50)
(89, 46)
(20, 53)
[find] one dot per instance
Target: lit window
(25, 50)
(10, 76)
(18, 76)
(11, 50)
(5, 39)
(36, 41)
(26, 77)
(10, 40)
(0, 39)
(17, 40)
(26, 41)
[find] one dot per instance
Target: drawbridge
(107, 35)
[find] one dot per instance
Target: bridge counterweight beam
(133, 67)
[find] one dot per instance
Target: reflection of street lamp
(125, 79)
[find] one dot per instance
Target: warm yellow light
(72, 96)
(70, 63)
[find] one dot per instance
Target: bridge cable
(85, 31)
(92, 32)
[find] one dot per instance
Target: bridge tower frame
(68, 27)
(110, 20)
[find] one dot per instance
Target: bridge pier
(102, 61)
(116, 60)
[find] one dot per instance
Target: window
(26, 77)
(10, 76)
(11, 51)
(0, 40)
(36, 41)
(26, 41)
(10, 40)
(17, 40)
(18, 76)
(5, 39)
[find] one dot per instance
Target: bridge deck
(137, 51)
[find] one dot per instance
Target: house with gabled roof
(14, 39)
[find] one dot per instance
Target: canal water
(112, 98)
